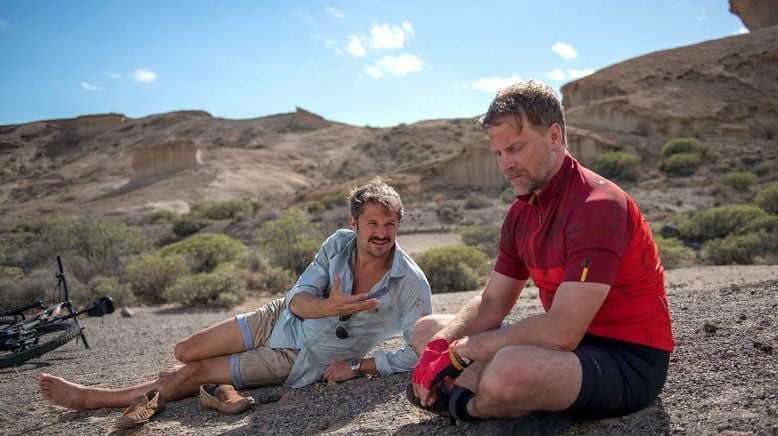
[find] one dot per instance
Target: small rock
(729, 353)
(710, 328)
(735, 287)
(743, 317)
(767, 348)
(127, 313)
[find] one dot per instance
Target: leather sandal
(223, 398)
(142, 408)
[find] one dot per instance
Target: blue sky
(376, 63)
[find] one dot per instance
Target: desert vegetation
(220, 252)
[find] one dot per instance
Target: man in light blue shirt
(360, 289)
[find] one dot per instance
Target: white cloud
(577, 74)
(356, 45)
(401, 65)
(493, 84)
(114, 76)
(382, 36)
(90, 87)
(557, 74)
(741, 31)
(702, 16)
(374, 72)
(386, 36)
(144, 75)
(565, 50)
(333, 12)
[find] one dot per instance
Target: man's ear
(554, 135)
(353, 223)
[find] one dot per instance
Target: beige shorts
(261, 365)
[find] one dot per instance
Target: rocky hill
(724, 92)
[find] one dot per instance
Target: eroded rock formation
(156, 161)
(723, 90)
(755, 14)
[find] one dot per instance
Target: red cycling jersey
(584, 228)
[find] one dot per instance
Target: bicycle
(22, 339)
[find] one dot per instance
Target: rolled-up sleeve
(315, 279)
(417, 303)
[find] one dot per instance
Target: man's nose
(506, 162)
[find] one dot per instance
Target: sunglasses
(341, 331)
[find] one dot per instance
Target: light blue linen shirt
(404, 297)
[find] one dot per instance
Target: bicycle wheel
(48, 337)
(8, 319)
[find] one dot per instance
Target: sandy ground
(723, 378)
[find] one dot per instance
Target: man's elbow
(570, 339)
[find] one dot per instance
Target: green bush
(161, 216)
(100, 243)
(507, 195)
(674, 254)
(41, 284)
(334, 199)
(189, 224)
(101, 286)
(477, 201)
(11, 294)
(290, 241)
(211, 289)
(449, 214)
(681, 164)
(150, 275)
(409, 152)
(205, 251)
(740, 181)
(225, 210)
(485, 238)
(278, 279)
(767, 198)
(718, 222)
(617, 165)
(452, 268)
(683, 145)
(261, 275)
(742, 248)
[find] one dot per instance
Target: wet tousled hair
(535, 101)
(375, 191)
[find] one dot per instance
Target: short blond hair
(535, 101)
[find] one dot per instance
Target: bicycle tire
(9, 319)
(60, 334)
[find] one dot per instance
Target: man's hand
(339, 371)
(308, 306)
(339, 304)
(435, 365)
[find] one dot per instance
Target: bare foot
(61, 392)
(171, 370)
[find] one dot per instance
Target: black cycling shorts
(618, 377)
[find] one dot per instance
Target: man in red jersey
(602, 346)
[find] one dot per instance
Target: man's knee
(184, 350)
(506, 375)
(425, 329)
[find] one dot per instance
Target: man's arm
(561, 328)
(486, 311)
(341, 370)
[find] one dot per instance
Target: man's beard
(525, 185)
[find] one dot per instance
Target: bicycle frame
(67, 303)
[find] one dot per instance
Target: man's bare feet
(61, 392)
(171, 370)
